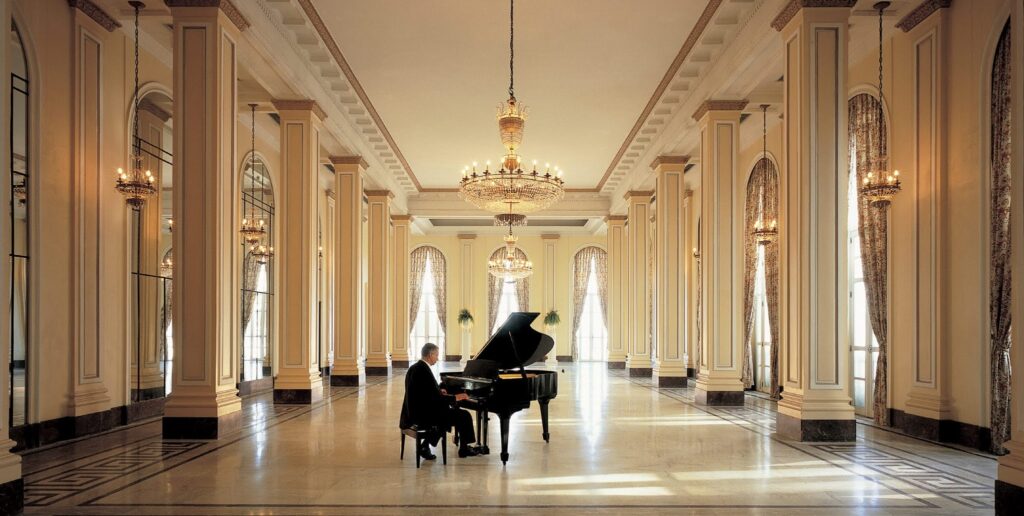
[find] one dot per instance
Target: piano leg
(481, 432)
(505, 436)
(544, 417)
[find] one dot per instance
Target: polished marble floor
(618, 445)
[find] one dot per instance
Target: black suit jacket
(424, 405)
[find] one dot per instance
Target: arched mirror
(152, 266)
(506, 295)
(20, 168)
(257, 293)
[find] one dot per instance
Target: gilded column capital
(230, 11)
(789, 11)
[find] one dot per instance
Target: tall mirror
(152, 265)
(257, 294)
(19, 230)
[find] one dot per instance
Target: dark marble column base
(691, 373)
(564, 358)
(403, 364)
(12, 496)
(671, 381)
(1009, 498)
(345, 380)
(201, 427)
(147, 394)
(325, 372)
(815, 430)
(945, 430)
(297, 396)
(640, 372)
(616, 365)
(144, 410)
(377, 371)
(719, 398)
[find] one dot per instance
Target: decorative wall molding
(794, 7)
(350, 160)
(670, 74)
(145, 104)
(97, 14)
(718, 105)
(921, 13)
(300, 105)
(225, 6)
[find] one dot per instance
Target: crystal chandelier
(880, 186)
(20, 191)
(526, 191)
(167, 267)
(765, 234)
(510, 267)
(261, 252)
(252, 228)
(136, 185)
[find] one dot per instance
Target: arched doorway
(760, 281)
(428, 298)
(21, 166)
(590, 305)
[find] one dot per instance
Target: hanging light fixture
(880, 186)
(526, 191)
(262, 252)
(136, 184)
(20, 191)
(252, 228)
(510, 267)
(765, 232)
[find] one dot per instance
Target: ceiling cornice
(97, 14)
(339, 58)
(684, 51)
(921, 13)
(794, 7)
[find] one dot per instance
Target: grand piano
(497, 380)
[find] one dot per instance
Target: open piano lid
(526, 346)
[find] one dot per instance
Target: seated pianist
(426, 405)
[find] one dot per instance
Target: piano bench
(421, 435)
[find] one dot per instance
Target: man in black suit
(427, 405)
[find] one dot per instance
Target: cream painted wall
(483, 246)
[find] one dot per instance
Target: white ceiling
(436, 71)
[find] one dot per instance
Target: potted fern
(552, 319)
(465, 319)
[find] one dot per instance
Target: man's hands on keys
(444, 392)
(461, 396)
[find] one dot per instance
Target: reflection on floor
(617, 445)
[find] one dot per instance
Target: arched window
(257, 291)
(428, 304)
(999, 302)
(868, 268)
(590, 304)
(760, 281)
(506, 296)
(21, 165)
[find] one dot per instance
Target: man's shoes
(425, 453)
(466, 451)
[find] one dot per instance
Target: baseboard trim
(1009, 498)
(564, 358)
(447, 358)
(941, 430)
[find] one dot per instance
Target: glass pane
(860, 316)
(858, 393)
(858, 363)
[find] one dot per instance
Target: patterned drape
(167, 308)
(581, 276)
(652, 314)
(751, 215)
(601, 268)
(999, 302)
(522, 287)
(867, 146)
(417, 268)
(770, 209)
(250, 273)
(439, 273)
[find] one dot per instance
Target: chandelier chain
(880, 11)
(136, 144)
(252, 156)
(511, 49)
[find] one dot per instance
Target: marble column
(298, 376)
(670, 259)
(12, 489)
(618, 288)
(466, 242)
(1009, 485)
(550, 265)
(348, 268)
(379, 257)
(401, 354)
(814, 362)
(718, 381)
(638, 234)
(204, 402)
